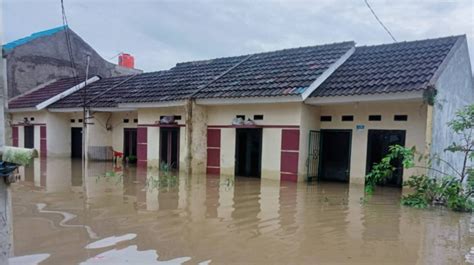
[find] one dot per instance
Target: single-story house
(324, 112)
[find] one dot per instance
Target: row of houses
(327, 112)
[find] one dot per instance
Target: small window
(135, 120)
(80, 120)
(347, 118)
(326, 118)
(125, 120)
(177, 117)
(73, 120)
(241, 116)
(258, 117)
(400, 117)
(32, 118)
(375, 117)
(161, 117)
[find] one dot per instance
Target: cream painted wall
(271, 153)
(58, 134)
(39, 117)
(227, 151)
(415, 128)
(118, 126)
(153, 146)
(98, 133)
(282, 114)
(274, 114)
(76, 116)
(150, 116)
(309, 121)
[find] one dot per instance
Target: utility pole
(5, 197)
(85, 114)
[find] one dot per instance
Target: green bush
(453, 191)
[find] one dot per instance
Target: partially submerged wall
(415, 128)
(454, 91)
(58, 134)
(148, 120)
(279, 121)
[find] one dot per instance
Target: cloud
(163, 32)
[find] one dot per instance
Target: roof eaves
(392, 96)
(161, 104)
(248, 100)
(16, 110)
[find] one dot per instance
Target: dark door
(378, 145)
(130, 143)
(335, 155)
(169, 147)
(248, 152)
(76, 142)
(29, 136)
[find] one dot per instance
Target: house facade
(324, 112)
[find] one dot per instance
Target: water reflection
(109, 212)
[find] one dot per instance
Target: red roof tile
(33, 98)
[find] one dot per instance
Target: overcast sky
(161, 33)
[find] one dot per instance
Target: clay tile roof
(174, 84)
(388, 68)
(33, 98)
(278, 73)
(284, 72)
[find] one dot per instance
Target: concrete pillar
(196, 135)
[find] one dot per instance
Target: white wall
(58, 134)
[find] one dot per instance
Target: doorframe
(32, 128)
(72, 142)
(169, 129)
(259, 176)
(130, 129)
(321, 151)
(311, 178)
(369, 152)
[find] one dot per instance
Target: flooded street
(127, 215)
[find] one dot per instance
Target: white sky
(160, 33)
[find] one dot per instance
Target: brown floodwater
(125, 215)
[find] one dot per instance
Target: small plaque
(360, 127)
